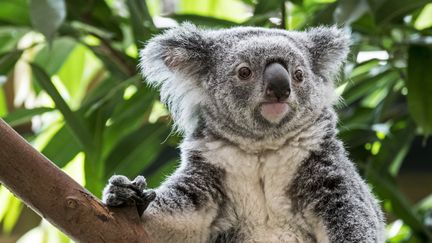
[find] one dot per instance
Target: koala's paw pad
(121, 191)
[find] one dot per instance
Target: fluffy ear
(182, 50)
(328, 47)
(175, 61)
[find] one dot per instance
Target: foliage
(69, 84)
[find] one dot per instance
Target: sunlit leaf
(4, 197)
(424, 20)
(236, 12)
(3, 107)
(74, 122)
(13, 212)
(80, 69)
(53, 56)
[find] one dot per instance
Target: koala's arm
(333, 198)
(184, 206)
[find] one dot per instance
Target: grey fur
(230, 150)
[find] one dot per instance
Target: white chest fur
(257, 185)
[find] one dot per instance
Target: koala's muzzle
(277, 81)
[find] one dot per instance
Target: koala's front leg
(182, 209)
(335, 201)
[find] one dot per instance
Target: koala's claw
(120, 191)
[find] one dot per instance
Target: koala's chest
(257, 187)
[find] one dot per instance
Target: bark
(58, 198)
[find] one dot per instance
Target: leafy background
(69, 84)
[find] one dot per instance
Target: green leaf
(94, 166)
(137, 150)
(419, 86)
(57, 152)
(21, 116)
(424, 20)
(297, 2)
(141, 21)
(387, 10)
(248, 2)
(47, 16)
(4, 197)
(52, 57)
(77, 71)
(72, 120)
(394, 147)
(157, 177)
(349, 11)
(363, 86)
(325, 15)
(400, 205)
(3, 106)
(9, 37)
(265, 6)
(258, 20)
(107, 91)
(119, 71)
(8, 60)
(96, 14)
(14, 12)
(203, 20)
(13, 212)
(129, 115)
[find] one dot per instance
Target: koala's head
(248, 82)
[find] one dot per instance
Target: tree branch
(59, 199)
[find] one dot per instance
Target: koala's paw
(121, 191)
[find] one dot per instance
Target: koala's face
(252, 82)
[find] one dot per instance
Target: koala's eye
(244, 73)
(298, 75)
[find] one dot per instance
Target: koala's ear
(174, 61)
(182, 50)
(328, 47)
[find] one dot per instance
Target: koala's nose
(277, 82)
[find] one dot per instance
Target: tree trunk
(58, 198)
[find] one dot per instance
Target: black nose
(277, 82)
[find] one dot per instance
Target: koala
(260, 158)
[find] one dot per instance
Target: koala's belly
(259, 205)
(262, 213)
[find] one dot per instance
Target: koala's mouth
(274, 111)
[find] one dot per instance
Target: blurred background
(69, 84)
